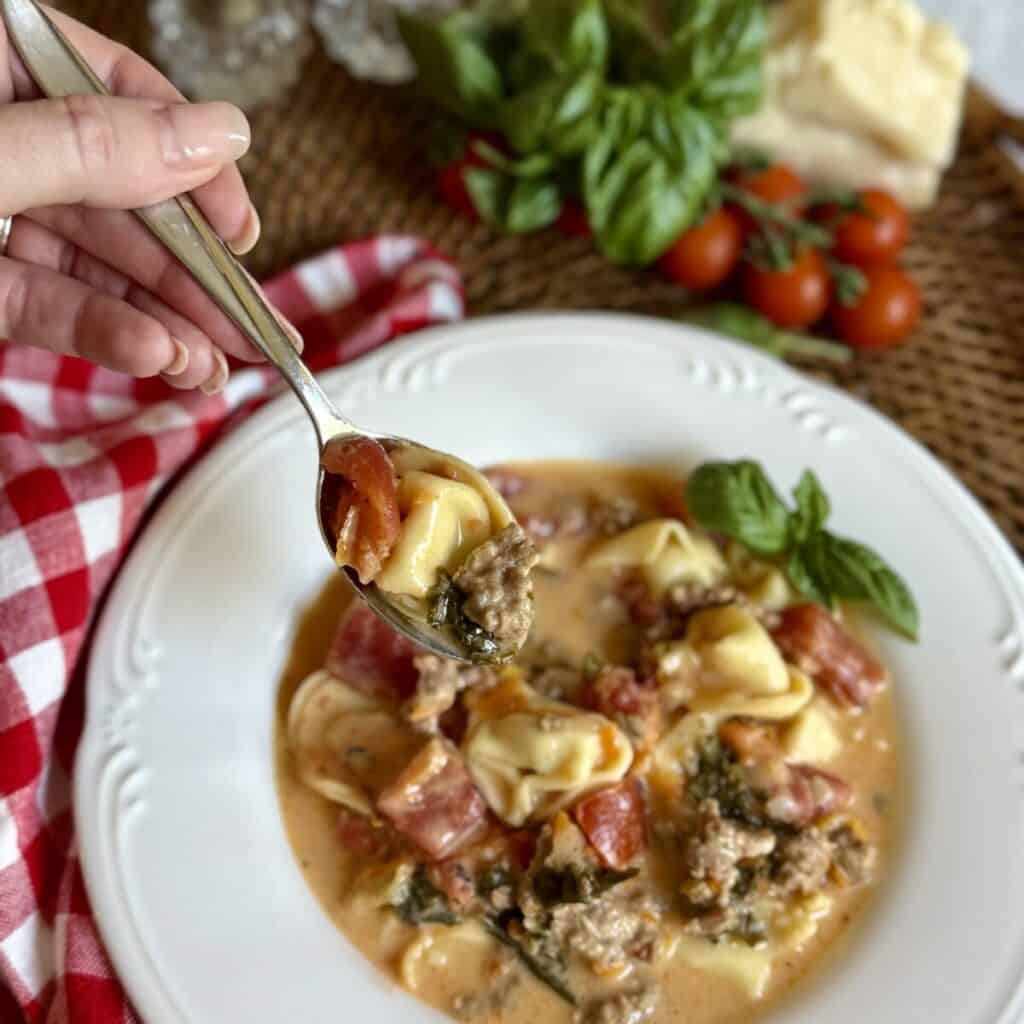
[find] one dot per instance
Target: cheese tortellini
(343, 743)
(665, 552)
(747, 967)
(811, 737)
(529, 756)
(736, 669)
(447, 509)
(435, 947)
(765, 584)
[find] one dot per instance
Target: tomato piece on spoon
(359, 502)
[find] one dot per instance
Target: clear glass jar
(248, 52)
(362, 35)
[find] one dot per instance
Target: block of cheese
(860, 93)
(832, 156)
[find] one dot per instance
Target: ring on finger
(6, 223)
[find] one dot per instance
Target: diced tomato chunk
(521, 847)
(362, 837)
(434, 803)
(372, 657)
(633, 704)
(673, 505)
(808, 794)
(816, 643)
(612, 819)
(360, 499)
(750, 741)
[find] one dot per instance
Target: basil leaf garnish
(812, 507)
(737, 499)
(854, 572)
(804, 578)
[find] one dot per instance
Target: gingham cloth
(84, 452)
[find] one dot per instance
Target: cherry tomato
(573, 220)
(775, 184)
(870, 237)
(451, 182)
(704, 256)
(884, 315)
(790, 298)
(452, 186)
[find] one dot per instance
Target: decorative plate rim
(108, 777)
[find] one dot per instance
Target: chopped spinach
(423, 903)
(751, 929)
(445, 608)
(544, 968)
(576, 883)
(750, 873)
(721, 777)
(497, 876)
(593, 665)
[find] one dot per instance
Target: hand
(81, 274)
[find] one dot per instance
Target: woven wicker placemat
(338, 159)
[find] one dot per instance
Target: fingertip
(248, 235)
(216, 381)
(201, 365)
(142, 348)
(179, 363)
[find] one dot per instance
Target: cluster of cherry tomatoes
(860, 236)
(794, 256)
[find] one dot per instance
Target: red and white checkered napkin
(83, 454)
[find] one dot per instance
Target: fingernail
(216, 381)
(202, 133)
(250, 233)
(179, 363)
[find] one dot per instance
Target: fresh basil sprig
(513, 204)
(737, 499)
(457, 69)
(629, 111)
(709, 51)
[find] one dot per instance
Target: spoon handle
(183, 229)
(60, 70)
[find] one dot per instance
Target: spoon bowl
(407, 619)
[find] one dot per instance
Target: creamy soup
(670, 807)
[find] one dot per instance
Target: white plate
(200, 902)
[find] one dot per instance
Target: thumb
(112, 152)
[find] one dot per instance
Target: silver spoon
(59, 70)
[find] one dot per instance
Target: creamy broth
(575, 617)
